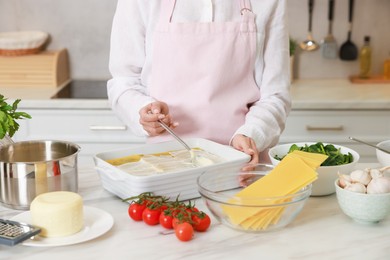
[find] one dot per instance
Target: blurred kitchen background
(83, 27)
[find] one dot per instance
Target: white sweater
(131, 57)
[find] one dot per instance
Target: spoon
(377, 147)
(309, 44)
(169, 130)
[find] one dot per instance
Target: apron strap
(168, 7)
(245, 6)
(248, 17)
(166, 12)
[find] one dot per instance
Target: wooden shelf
(377, 79)
(45, 69)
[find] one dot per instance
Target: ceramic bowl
(383, 158)
(124, 184)
(324, 185)
(361, 207)
(219, 186)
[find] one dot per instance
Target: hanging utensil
(309, 44)
(348, 50)
(329, 45)
(375, 146)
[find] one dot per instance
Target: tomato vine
(184, 218)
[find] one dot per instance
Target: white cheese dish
(181, 182)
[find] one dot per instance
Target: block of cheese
(58, 213)
(293, 173)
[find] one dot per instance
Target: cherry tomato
(175, 222)
(180, 216)
(135, 211)
(163, 207)
(56, 168)
(192, 210)
(145, 201)
(151, 216)
(201, 222)
(184, 231)
(166, 220)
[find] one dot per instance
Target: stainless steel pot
(30, 168)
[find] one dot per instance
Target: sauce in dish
(171, 161)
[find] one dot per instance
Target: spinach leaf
(335, 156)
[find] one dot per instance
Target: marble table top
(320, 231)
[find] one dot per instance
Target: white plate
(96, 223)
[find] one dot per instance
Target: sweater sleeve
(126, 94)
(266, 118)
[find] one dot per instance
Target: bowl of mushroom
(364, 195)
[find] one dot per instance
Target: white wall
(83, 27)
(371, 17)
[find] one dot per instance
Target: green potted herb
(8, 119)
(293, 46)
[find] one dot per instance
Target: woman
(214, 69)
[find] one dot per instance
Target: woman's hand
(151, 113)
(247, 145)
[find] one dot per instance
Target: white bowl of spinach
(341, 160)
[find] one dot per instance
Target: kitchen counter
(320, 231)
(332, 94)
(307, 94)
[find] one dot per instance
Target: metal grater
(13, 232)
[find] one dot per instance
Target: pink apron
(205, 73)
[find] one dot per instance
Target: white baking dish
(180, 183)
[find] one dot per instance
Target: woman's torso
(204, 11)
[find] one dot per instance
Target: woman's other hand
(151, 113)
(247, 145)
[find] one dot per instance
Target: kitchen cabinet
(335, 126)
(322, 110)
(99, 130)
(95, 130)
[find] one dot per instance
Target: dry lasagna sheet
(171, 161)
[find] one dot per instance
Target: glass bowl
(219, 186)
